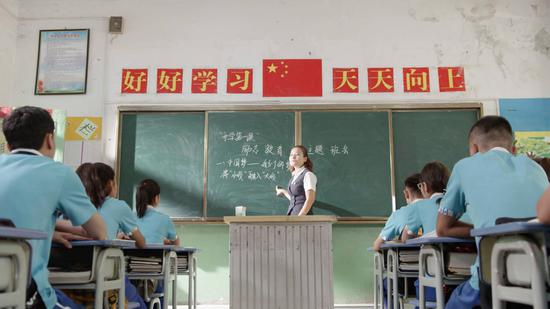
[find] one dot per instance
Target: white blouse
(310, 180)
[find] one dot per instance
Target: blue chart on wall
(530, 120)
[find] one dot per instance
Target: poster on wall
(4, 112)
(83, 129)
(62, 66)
(530, 120)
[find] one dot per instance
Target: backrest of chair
(15, 256)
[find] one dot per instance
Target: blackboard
(423, 136)
(240, 156)
(247, 158)
(351, 156)
(168, 148)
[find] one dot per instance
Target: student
(33, 188)
(395, 226)
(423, 214)
(99, 181)
(491, 183)
(156, 227)
(302, 185)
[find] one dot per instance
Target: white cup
(240, 211)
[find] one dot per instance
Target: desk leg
(190, 281)
(194, 282)
(174, 278)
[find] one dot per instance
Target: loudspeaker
(115, 24)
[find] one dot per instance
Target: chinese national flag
(292, 78)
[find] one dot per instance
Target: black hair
(412, 184)
(146, 192)
(492, 131)
(27, 126)
(435, 174)
(95, 177)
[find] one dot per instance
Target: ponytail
(146, 192)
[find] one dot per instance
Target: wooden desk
(188, 254)
(281, 262)
(15, 262)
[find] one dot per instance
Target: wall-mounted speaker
(115, 24)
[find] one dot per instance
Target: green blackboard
(351, 156)
(423, 136)
(247, 158)
(168, 148)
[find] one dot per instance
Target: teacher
(302, 185)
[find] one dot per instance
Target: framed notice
(62, 62)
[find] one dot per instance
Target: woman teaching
(302, 185)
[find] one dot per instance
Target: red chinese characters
(345, 80)
(134, 81)
(204, 81)
(169, 80)
(451, 79)
(239, 80)
(416, 79)
(380, 79)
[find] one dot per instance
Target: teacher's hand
(280, 191)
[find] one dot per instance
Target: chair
(95, 265)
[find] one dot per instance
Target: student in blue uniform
(489, 184)
(99, 181)
(395, 227)
(303, 184)
(33, 188)
(156, 227)
(433, 180)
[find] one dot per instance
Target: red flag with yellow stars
(134, 81)
(451, 79)
(204, 81)
(292, 78)
(239, 80)
(169, 80)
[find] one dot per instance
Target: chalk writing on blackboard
(331, 150)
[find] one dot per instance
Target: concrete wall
(503, 45)
(8, 35)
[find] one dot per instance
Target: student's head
(433, 178)
(489, 132)
(30, 127)
(98, 180)
(298, 157)
(411, 191)
(147, 193)
(545, 163)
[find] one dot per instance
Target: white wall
(8, 34)
(503, 45)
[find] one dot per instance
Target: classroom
(374, 90)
